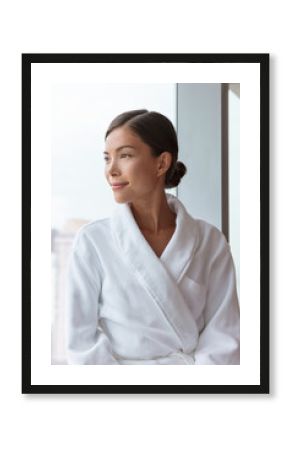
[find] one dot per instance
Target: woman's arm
(219, 342)
(85, 341)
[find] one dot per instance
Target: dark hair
(157, 131)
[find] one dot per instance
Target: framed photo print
(145, 223)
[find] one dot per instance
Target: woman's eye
(124, 155)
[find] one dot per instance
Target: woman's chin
(120, 198)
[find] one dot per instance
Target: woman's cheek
(135, 169)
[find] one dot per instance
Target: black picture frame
(124, 58)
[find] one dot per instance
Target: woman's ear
(164, 162)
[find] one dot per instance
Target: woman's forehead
(122, 137)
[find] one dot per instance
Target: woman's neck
(153, 215)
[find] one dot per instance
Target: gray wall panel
(199, 136)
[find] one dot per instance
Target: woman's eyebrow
(120, 148)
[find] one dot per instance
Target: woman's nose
(113, 168)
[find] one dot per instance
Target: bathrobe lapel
(160, 276)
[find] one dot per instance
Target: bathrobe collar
(178, 253)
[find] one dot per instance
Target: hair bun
(178, 172)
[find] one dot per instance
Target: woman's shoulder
(210, 235)
(203, 230)
(91, 232)
(94, 226)
(208, 228)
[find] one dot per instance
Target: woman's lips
(118, 186)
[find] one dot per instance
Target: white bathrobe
(127, 306)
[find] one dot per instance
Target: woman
(150, 285)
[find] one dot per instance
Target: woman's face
(130, 168)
